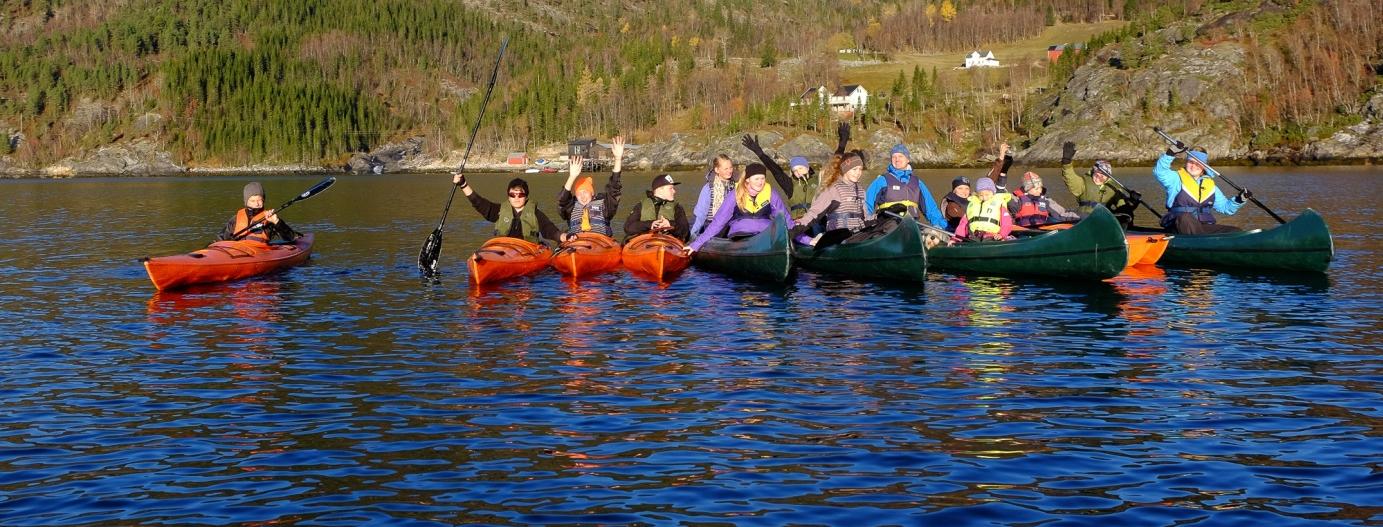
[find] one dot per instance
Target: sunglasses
(518, 195)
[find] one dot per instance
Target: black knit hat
(959, 181)
(755, 169)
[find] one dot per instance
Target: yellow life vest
(983, 216)
(752, 204)
(1198, 191)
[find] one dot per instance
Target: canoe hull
(1093, 249)
(657, 256)
(225, 261)
(587, 255)
(504, 258)
(897, 255)
(764, 257)
(1303, 244)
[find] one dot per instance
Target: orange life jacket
(243, 221)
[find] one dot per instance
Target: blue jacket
(929, 207)
(1171, 181)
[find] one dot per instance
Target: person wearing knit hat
(748, 209)
(986, 214)
(659, 212)
(1097, 187)
(1032, 208)
(956, 201)
(841, 201)
(1192, 194)
(253, 222)
(799, 183)
(898, 186)
(585, 210)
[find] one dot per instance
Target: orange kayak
(589, 254)
(1153, 245)
(503, 258)
(656, 255)
(225, 261)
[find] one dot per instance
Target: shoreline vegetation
(186, 87)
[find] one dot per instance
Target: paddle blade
(427, 258)
(320, 186)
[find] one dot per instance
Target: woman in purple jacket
(747, 210)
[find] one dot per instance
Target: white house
(849, 98)
(976, 60)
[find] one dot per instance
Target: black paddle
(316, 189)
(432, 248)
(1128, 192)
(1217, 174)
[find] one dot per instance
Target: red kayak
(586, 255)
(226, 261)
(658, 256)
(504, 258)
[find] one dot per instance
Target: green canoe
(897, 254)
(1093, 249)
(1303, 244)
(764, 256)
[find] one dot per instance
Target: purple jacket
(740, 226)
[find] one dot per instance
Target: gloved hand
(458, 179)
(1176, 149)
(1068, 152)
(1244, 196)
(1137, 196)
(752, 143)
(843, 136)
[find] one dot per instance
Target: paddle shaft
(1129, 193)
(489, 89)
(320, 186)
(1219, 175)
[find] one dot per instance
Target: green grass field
(876, 77)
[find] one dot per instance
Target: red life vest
(243, 221)
(1032, 211)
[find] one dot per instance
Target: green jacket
(1088, 194)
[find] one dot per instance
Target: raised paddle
(1217, 174)
(432, 248)
(316, 189)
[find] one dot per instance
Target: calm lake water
(347, 392)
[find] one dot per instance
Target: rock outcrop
(140, 157)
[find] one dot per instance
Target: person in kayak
(956, 202)
(514, 219)
(1097, 188)
(841, 201)
(986, 214)
(1032, 208)
(659, 212)
(898, 185)
(585, 210)
(802, 184)
(1192, 194)
(748, 209)
(267, 225)
(720, 179)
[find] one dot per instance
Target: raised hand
(574, 168)
(751, 142)
(617, 146)
(1068, 152)
(1003, 150)
(843, 133)
(458, 179)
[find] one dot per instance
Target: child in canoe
(253, 222)
(719, 180)
(1032, 208)
(986, 214)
